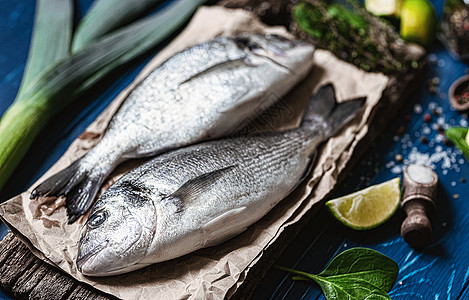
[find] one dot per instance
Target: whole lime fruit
(418, 22)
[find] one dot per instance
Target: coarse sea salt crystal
(463, 123)
(426, 159)
(418, 108)
(396, 170)
(420, 174)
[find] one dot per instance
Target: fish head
(117, 234)
(291, 54)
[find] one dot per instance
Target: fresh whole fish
(201, 93)
(204, 194)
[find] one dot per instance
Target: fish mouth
(86, 260)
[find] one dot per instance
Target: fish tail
(77, 184)
(323, 107)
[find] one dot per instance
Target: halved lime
(367, 208)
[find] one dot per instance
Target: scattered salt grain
(463, 123)
(439, 138)
(453, 183)
(418, 108)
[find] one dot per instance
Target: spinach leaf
(457, 135)
(357, 273)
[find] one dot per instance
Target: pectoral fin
(194, 188)
(222, 227)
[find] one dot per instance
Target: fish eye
(97, 219)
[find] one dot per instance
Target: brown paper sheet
(214, 272)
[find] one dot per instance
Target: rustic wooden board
(27, 277)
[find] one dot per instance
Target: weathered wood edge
(27, 277)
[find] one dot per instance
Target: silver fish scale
(201, 93)
(262, 164)
(159, 116)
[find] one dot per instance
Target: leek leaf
(52, 36)
(105, 16)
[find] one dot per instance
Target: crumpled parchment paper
(218, 271)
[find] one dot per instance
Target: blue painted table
(441, 271)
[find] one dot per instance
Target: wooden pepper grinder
(418, 201)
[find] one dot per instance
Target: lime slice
(418, 21)
(467, 138)
(384, 7)
(369, 207)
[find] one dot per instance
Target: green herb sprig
(353, 35)
(357, 273)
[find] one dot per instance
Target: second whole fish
(203, 194)
(200, 93)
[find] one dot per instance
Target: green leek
(52, 36)
(105, 16)
(62, 83)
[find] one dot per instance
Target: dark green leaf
(337, 287)
(457, 135)
(365, 264)
(358, 273)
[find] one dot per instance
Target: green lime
(384, 7)
(369, 207)
(418, 21)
